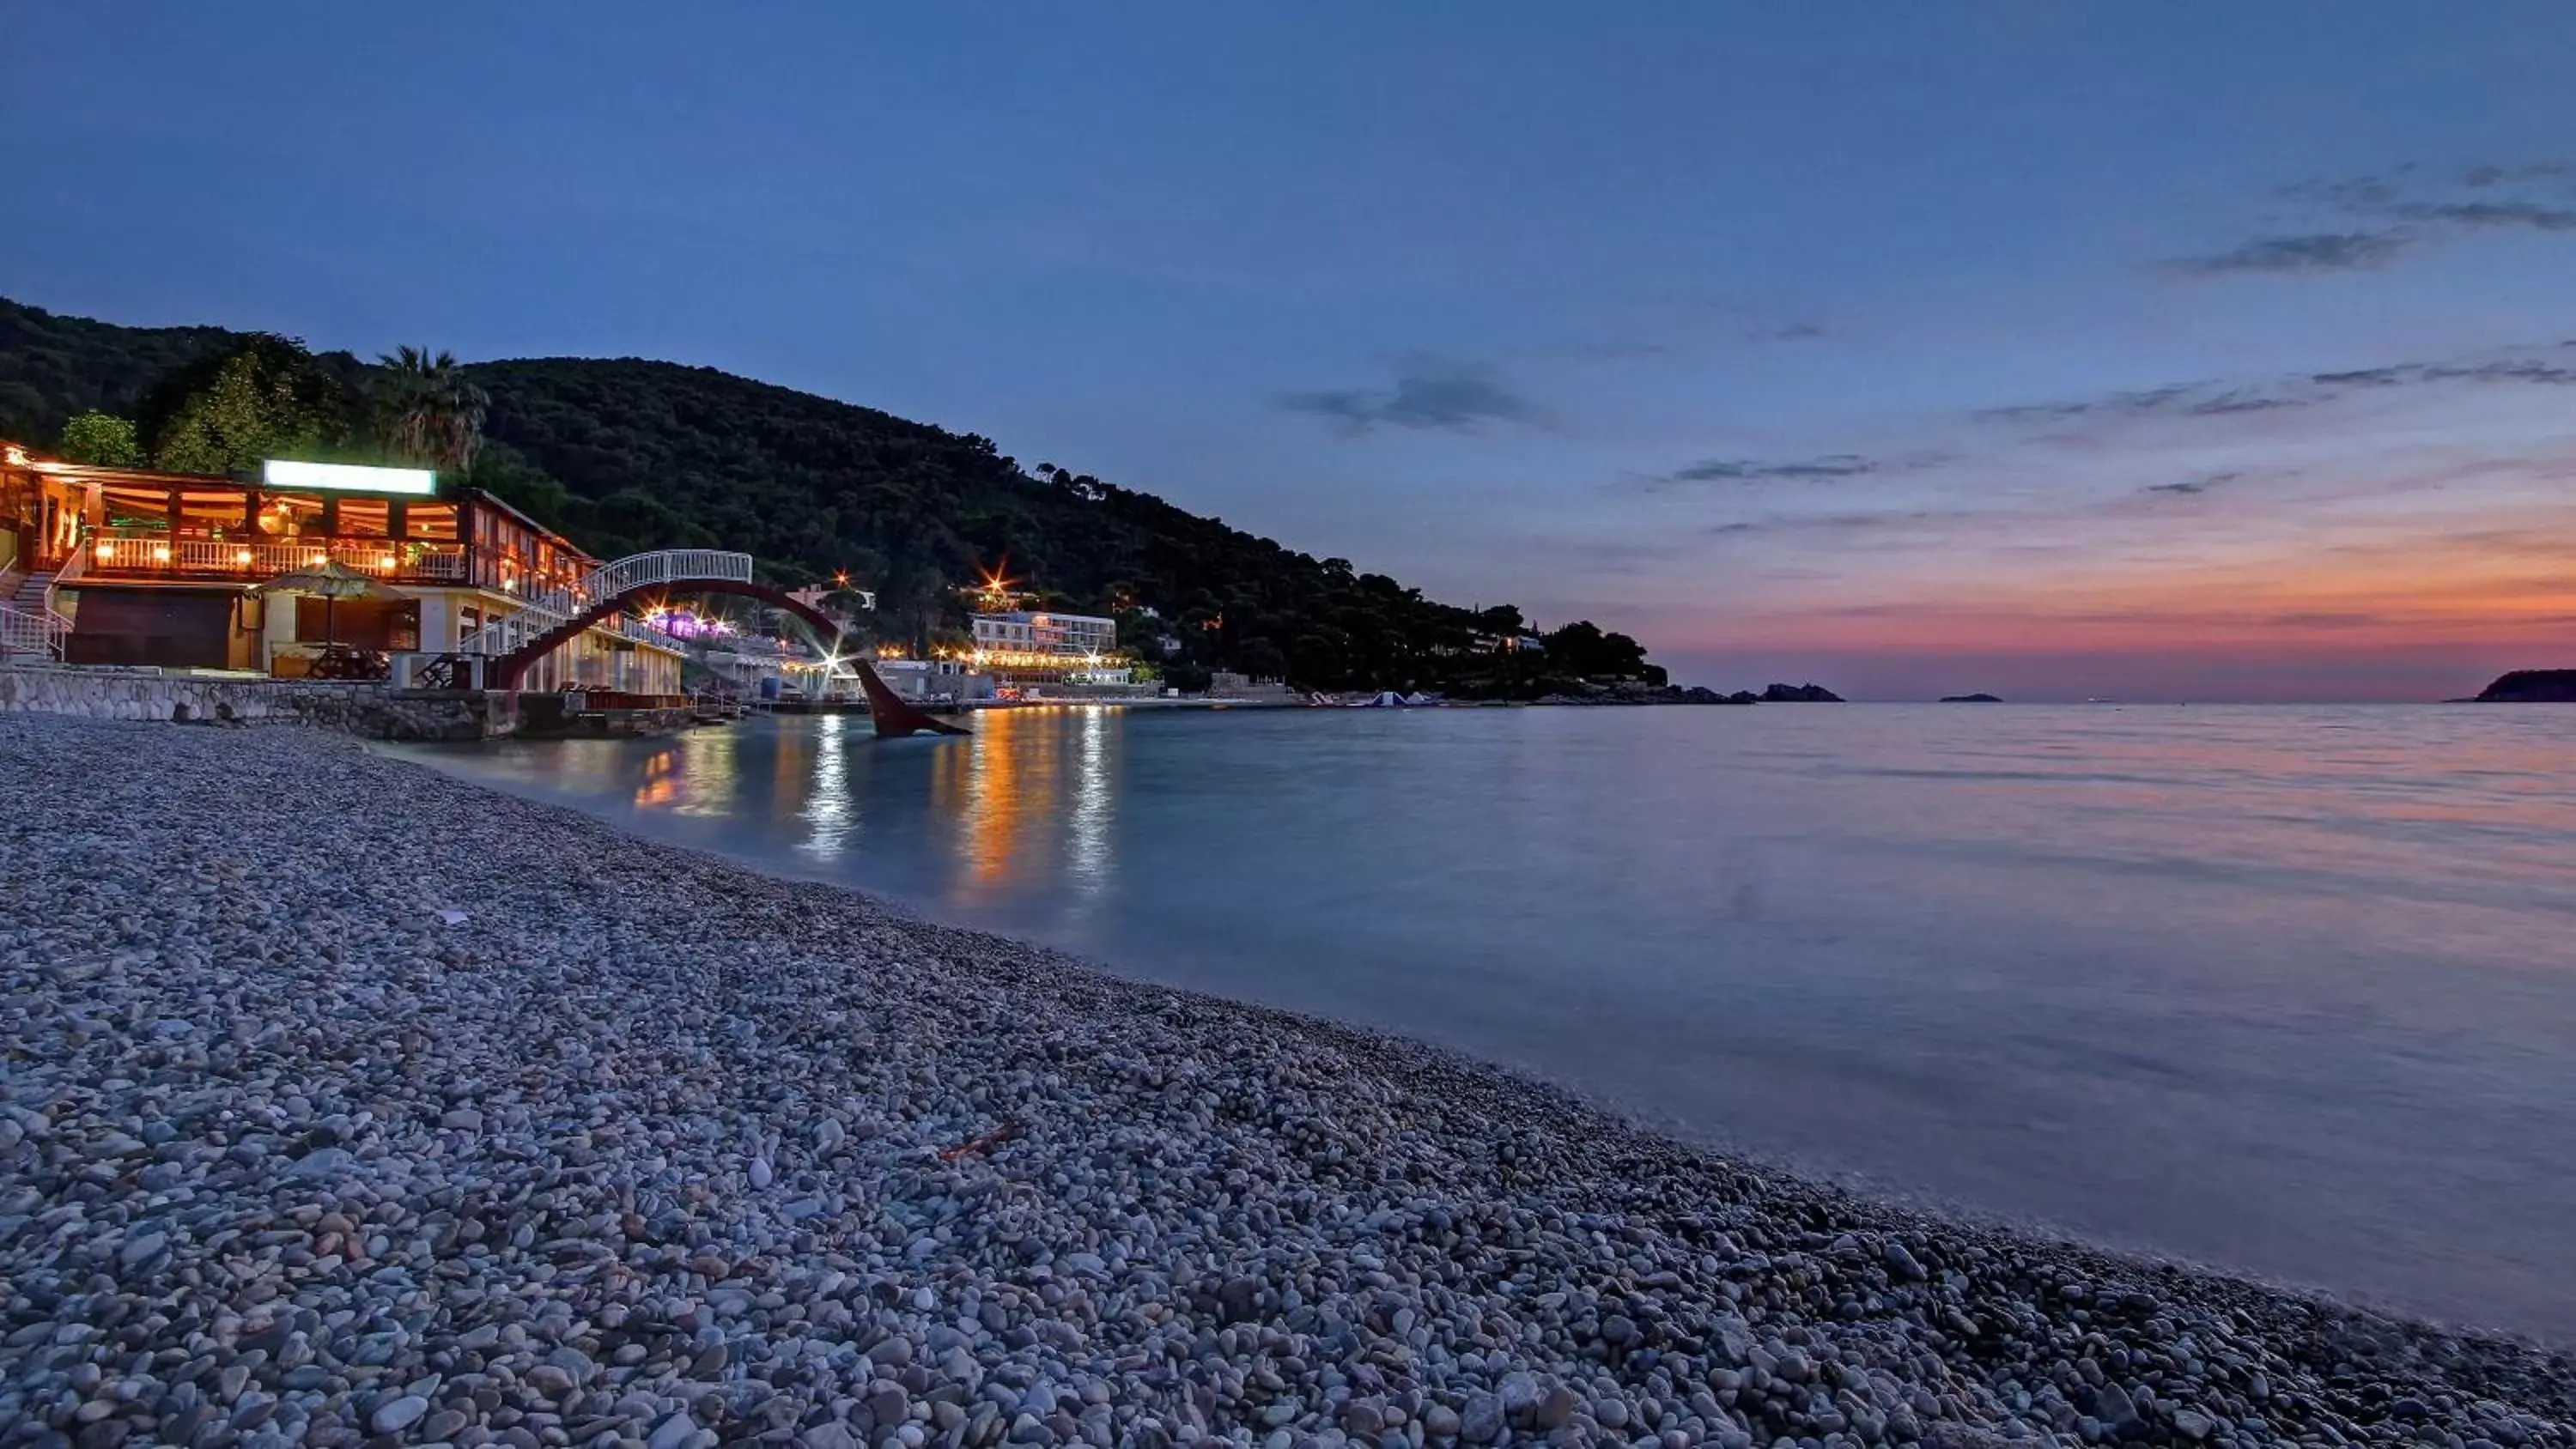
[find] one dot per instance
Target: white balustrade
(32, 633)
(254, 560)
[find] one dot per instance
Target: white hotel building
(1030, 647)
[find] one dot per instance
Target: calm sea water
(2287, 990)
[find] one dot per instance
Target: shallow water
(2287, 990)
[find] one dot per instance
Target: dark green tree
(1582, 649)
(1319, 662)
(264, 398)
(1261, 659)
(506, 476)
(101, 438)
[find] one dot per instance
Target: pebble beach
(344, 1102)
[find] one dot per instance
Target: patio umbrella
(331, 582)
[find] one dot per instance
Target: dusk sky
(2204, 350)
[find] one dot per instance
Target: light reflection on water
(660, 786)
(2285, 989)
(1091, 866)
(708, 776)
(830, 808)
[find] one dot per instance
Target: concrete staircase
(30, 593)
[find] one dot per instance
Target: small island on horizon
(1980, 698)
(2530, 686)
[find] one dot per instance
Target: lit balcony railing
(151, 553)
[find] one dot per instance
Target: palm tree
(432, 411)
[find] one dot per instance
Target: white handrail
(678, 567)
(69, 574)
(24, 631)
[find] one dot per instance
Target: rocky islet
(2531, 686)
(650, 1150)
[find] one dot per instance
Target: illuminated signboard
(286, 476)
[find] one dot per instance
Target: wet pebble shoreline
(646, 1149)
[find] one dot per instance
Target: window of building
(211, 511)
(135, 507)
(287, 515)
(430, 520)
(362, 623)
(365, 518)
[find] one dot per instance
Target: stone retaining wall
(447, 714)
(105, 694)
(371, 710)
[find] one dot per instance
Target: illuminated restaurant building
(165, 568)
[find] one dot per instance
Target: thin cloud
(2531, 214)
(2498, 370)
(2522, 370)
(2194, 485)
(2243, 402)
(2428, 208)
(1746, 470)
(2227, 399)
(2178, 400)
(1430, 393)
(2331, 251)
(1825, 523)
(2485, 176)
(1751, 321)
(2350, 193)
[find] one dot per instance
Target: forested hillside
(52, 367)
(631, 454)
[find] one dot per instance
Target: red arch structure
(894, 715)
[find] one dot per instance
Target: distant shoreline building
(934, 681)
(1026, 647)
